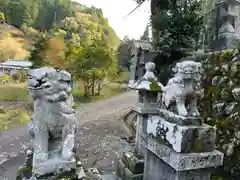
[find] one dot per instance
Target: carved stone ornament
(183, 90)
(54, 122)
(149, 81)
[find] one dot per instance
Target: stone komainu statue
(182, 91)
(54, 122)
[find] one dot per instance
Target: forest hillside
(27, 19)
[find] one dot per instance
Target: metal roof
(17, 63)
(13, 67)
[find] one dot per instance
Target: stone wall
(220, 108)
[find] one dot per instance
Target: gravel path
(99, 138)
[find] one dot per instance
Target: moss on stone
(154, 86)
(23, 171)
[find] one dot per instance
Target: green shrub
(23, 75)
(11, 92)
(2, 111)
(16, 77)
(4, 79)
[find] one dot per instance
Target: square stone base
(184, 161)
(52, 169)
(182, 138)
(156, 169)
(129, 167)
(125, 174)
(54, 165)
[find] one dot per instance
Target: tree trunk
(86, 87)
(99, 88)
(93, 86)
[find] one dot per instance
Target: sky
(132, 26)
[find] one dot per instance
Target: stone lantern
(148, 89)
(131, 166)
(227, 24)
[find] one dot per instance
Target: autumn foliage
(54, 54)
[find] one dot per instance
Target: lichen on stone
(219, 107)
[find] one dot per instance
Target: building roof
(17, 63)
(144, 45)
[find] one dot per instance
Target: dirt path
(98, 140)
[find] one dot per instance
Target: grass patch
(108, 90)
(13, 92)
(12, 117)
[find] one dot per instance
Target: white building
(11, 66)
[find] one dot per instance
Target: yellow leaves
(10, 48)
(54, 53)
(82, 16)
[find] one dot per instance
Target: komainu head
(49, 83)
(188, 69)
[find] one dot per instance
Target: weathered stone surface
(125, 174)
(185, 161)
(180, 120)
(54, 121)
(145, 83)
(141, 132)
(93, 174)
(182, 139)
(156, 169)
(141, 108)
(54, 166)
(148, 89)
(224, 34)
(73, 172)
(110, 177)
(183, 90)
(236, 93)
(134, 164)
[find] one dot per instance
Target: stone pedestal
(182, 138)
(180, 152)
(158, 169)
(143, 113)
(51, 170)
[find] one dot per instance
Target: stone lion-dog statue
(183, 90)
(54, 121)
